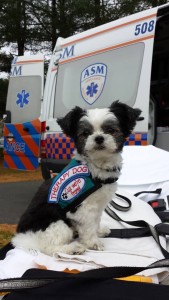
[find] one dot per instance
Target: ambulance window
(24, 98)
(98, 80)
(160, 72)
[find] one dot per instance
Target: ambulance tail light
(43, 151)
(43, 127)
(43, 141)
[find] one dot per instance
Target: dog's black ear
(126, 115)
(69, 122)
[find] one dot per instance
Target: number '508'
(144, 27)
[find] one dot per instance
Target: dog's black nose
(99, 139)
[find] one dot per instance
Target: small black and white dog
(99, 135)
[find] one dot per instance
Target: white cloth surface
(144, 168)
(144, 165)
(124, 252)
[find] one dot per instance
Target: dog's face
(100, 132)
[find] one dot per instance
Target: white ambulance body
(126, 60)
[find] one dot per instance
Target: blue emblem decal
(22, 98)
(92, 82)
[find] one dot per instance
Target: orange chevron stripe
(24, 159)
(27, 163)
(31, 144)
(6, 131)
(37, 125)
(28, 141)
(9, 161)
(26, 138)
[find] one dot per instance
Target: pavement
(14, 199)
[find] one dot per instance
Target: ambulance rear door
(108, 63)
(22, 131)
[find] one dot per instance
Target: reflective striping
(137, 139)
(24, 141)
(59, 146)
(8, 162)
(22, 145)
(110, 29)
(18, 162)
(33, 126)
(29, 61)
(21, 163)
(32, 134)
(32, 147)
(30, 165)
(106, 49)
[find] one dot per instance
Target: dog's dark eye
(85, 133)
(110, 130)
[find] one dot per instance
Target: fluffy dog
(72, 227)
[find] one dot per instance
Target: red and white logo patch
(69, 184)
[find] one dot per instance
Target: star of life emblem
(92, 82)
(22, 99)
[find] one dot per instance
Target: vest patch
(70, 184)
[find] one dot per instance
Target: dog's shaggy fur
(99, 135)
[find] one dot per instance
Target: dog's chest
(101, 197)
(94, 204)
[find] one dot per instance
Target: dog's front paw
(79, 249)
(103, 231)
(73, 248)
(95, 244)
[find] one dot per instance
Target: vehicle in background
(126, 60)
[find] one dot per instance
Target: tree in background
(35, 25)
(3, 93)
(13, 23)
(129, 7)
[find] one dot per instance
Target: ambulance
(126, 60)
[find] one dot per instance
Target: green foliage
(5, 62)
(35, 25)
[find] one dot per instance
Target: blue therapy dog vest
(72, 186)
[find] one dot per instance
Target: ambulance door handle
(9, 136)
(26, 129)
